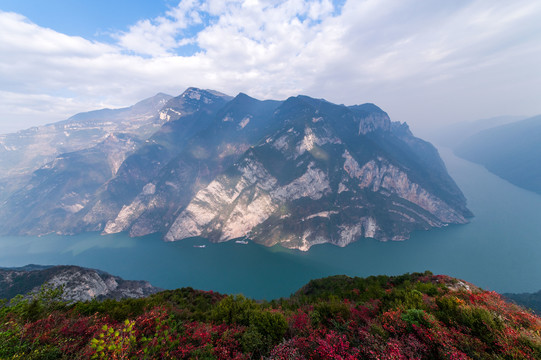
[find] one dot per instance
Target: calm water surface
(499, 250)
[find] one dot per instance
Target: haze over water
(499, 250)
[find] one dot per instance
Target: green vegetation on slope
(420, 316)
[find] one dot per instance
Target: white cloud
(419, 60)
(158, 37)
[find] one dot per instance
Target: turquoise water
(499, 250)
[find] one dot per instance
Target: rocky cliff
(77, 283)
(297, 173)
(323, 176)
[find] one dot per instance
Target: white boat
(243, 242)
(200, 246)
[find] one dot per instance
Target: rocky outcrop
(296, 173)
(77, 283)
(306, 185)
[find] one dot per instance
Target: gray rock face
(295, 173)
(306, 184)
(78, 284)
(186, 115)
(238, 125)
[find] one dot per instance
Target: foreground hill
(417, 316)
(510, 151)
(297, 173)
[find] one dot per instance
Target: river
(500, 249)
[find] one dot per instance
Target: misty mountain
(510, 151)
(453, 134)
(530, 301)
(185, 116)
(241, 123)
(65, 185)
(329, 173)
(297, 173)
(23, 152)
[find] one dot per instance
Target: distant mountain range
(511, 151)
(26, 150)
(297, 172)
(530, 301)
(453, 134)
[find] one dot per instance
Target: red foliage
(459, 325)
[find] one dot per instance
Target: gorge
(297, 173)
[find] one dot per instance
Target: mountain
(297, 173)
(27, 150)
(78, 190)
(453, 134)
(510, 151)
(77, 283)
(528, 300)
(64, 186)
(186, 115)
(238, 125)
(411, 316)
(328, 173)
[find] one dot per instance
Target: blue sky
(425, 62)
(90, 19)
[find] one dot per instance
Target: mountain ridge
(510, 151)
(301, 163)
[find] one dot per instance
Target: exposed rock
(296, 173)
(77, 283)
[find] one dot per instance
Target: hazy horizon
(424, 63)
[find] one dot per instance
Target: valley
(498, 250)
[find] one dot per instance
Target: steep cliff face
(77, 283)
(238, 125)
(297, 173)
(306, 184)
(185, 116)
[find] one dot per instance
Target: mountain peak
(193, 93)
(297, 173)
(197, 94)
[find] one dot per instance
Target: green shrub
(417, 317)
(332, 310)
(234, 310)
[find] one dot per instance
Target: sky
(428, 63)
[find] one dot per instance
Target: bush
(234, 310)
